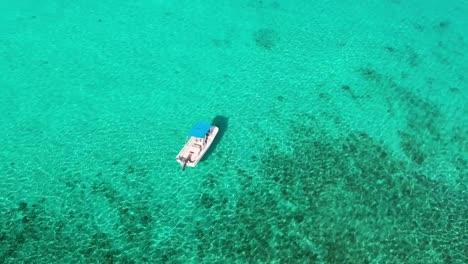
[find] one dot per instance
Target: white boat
(200, 138)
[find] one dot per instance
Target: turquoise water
(344, 131)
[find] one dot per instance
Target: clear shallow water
(345, 132)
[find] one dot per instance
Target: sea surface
(344, 128)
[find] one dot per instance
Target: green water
(344, 131)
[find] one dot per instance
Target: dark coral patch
(444, 24)
(370, 74)
(413, 57)
(418, 27)
(23, 206)
(265, 38)
(207, 201)
(454, 89)
(130, 169)
(411, 146)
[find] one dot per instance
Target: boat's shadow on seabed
(222, 123)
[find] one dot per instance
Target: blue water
(343, 131)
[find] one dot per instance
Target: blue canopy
(200, 129)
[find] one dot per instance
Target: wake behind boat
(200, 138)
